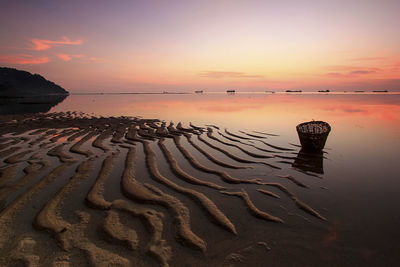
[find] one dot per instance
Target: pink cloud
(64, 57)
(67, 57)
(41, 44)
(97, 60)
(84, 58)
(23, 59)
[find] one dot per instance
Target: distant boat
(380, 91)
(293, 91)
(324, 91)
(272, 92)
(230, 91)
(359, 91)
(199, 92)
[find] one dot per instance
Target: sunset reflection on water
(277, 113)
(358, 121)
(358, 187)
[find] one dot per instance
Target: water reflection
(29, 104)
(309, 161)
(279, 113)
(362, 170)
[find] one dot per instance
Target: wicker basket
(313, 134)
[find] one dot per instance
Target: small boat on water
(272, 92)
(230, 91)
(380, 91)
(293, 91)
(199, 91)
(359, 91)
(324, 91)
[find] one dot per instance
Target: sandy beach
(74, 192)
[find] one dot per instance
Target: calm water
(361, 181)
(355, 185)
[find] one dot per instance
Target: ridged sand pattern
(127, 191)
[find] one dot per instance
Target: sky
(252, 45)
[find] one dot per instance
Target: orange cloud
(40, 44)
(23, 59)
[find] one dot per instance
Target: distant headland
(19, 83)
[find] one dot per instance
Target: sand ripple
(75, 178)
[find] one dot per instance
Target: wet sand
(205, 201)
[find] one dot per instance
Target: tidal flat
(106, 190)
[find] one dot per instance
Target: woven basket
(313, 134)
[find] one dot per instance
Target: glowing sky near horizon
(142, 46)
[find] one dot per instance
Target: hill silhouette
(18, 83)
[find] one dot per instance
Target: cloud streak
(227, 74)
(362, 72)
(345, 71)
(369, 58)
(338, 68)
(42, 44)
(97, 60)
(64, 57)
(350, 74)
(67, 57)
(24, 59)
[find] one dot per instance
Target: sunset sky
(152, 46)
